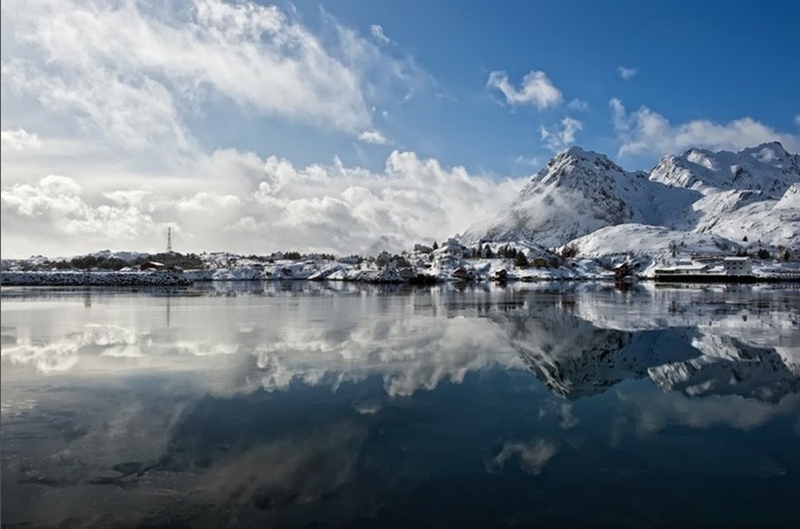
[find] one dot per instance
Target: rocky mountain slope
(718, 198)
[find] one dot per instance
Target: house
(737, 266)
(152, 265)
(621, 271)
(729, 269)
(159, 267)
(682, 268)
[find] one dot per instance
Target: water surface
(313, 405)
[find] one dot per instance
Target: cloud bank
(138, 73)
(237, 201)
(19, 140)
(646, 132)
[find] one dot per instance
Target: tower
(169, 239)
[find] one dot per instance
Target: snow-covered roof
(683, 267)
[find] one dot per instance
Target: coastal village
(451, 261)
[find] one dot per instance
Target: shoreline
(126, 279)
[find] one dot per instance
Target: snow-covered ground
(642, 247)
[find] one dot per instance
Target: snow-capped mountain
(577, 193)
(767, 168)
(718, 198)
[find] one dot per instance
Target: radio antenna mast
(169, 239)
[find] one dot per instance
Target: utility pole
(169, 239)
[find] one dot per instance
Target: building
(729, 269)
(737, 266)
(682, 268)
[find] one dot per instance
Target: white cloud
(55, 206)
(19, 140)
(626, 73)
(131, 109)
(646, 132)
(372, 136)
(204, 201)
(378, 34)
(797, 120)
(579, 105)
(557, 138)
(536, 89)
(528, 160)
(239, 202)
(138, 73)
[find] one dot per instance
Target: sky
(351, 126)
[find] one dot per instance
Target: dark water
(305, 405)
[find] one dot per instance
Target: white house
(682, 267)
(737, 266)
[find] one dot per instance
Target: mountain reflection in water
(303, 404)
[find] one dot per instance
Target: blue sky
(717, 61)
(250, 127)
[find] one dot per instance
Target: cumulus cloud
(378, 34)
(557, 138)
(579, 105)
(54, 208)
(372, 136)
(19, 140)
(626, 73)
(248, 204)
(137, 73)
(536, 90)
(647, 132)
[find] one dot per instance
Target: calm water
(306, 405)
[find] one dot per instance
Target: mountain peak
(778, 146)
(581, 191)
(575, 152)
(575, 161)
(577, 192)
(767, 167)
(770, 152)
(578, 153)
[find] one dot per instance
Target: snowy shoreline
(451, 263)
(72, 278)
(123, 279)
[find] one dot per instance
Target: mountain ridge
(751, 193)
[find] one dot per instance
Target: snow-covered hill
(579, 192)
(768, 168)
(713, 199)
